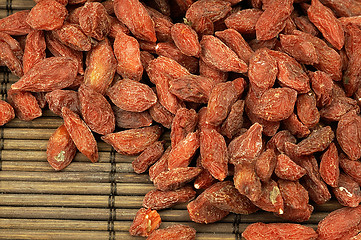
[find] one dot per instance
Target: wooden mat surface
(86, 200)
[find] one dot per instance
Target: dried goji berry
(60, 149)
(34, 49)
(273, 19)
(302, 50)
(329, 61)
(307, 110)
(182, 153)
(184, 122)
(192, 88)
(349, 136)
(347, 191)
(94, 21)
(262, 231)
(317, 141)
(134, 15)
(127, 52)
(116, 27)
(145, 222)
(236, 42)
(162, 25)
(60, 50)
(290, 72)
(212, 9)
(295, 199)
(48, 74)
(170, 50)
(226, 197)
(329, 166)
(156, 199)
(222, 97)
(132, 96)
(295, 126)
(341, 223)
(101, 67)
(217, 54)
(149, 156)
(80, 133)
(7, 112)
(321, 84)
(204, 180)
(176, 178)
(96, 110)
(72, 36)
(234, 121)
(351, 168)
(186, 39)
(271, 199)
(160, 166)
(262, 71)
(265, 165)
(47, 15)
(317, 189)
(214, 155)
(211, 72)
(288, 169)
(325, 20)
(133, 141)
(278, 141)
(201, 210)
(276, 104)
(160, 71)
(246, 180)
(25, 104)
(176, 231)
(58, 99)
(126, 119)
(244, 21)
(305, 25)
(8, 58)
(161, 115)
(247, 146)
(15, 24)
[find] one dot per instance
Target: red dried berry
(47, 15)
(133, 141)
(61, 149)
(81, 134)
(145, 222)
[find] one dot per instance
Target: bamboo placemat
(86, 200)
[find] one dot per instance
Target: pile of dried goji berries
(261, 98)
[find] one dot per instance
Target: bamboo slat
(18, 4)
(27, 133)
(29, 155)
(42, 122)
(86, 225)
(10, 78)
(102, 177)
(86, 235)
(70, 200)
(123, 189)
(90, 213)
(54, 213)
(62, 200)
(54, 187)
(39, 145)
(73, 167)
(55, 234)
